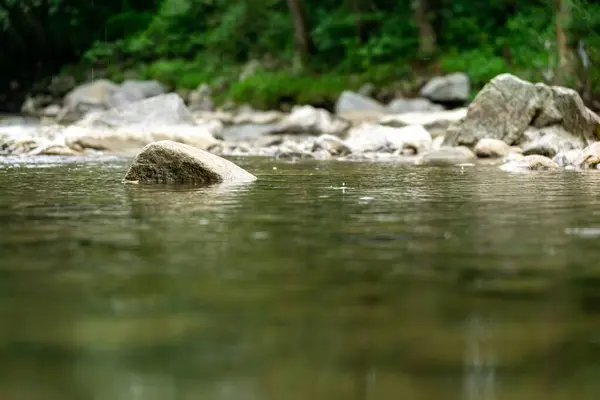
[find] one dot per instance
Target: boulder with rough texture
(491, 148)
(532, 162)
(509, 109)
(350, 101)
(378, 138)
(452, 87)
(447, 156)
(171, 162)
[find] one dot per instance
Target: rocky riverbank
(512, 122)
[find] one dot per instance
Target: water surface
(318, 281)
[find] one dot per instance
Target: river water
(319, 281)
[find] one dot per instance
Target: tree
(566, 55)
(425, 31)
(302, 41)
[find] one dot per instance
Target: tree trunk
(302, 42)
(422, 17)
(566, 55)
(358, 24)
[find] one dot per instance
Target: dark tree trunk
(302, 41)
(422, 15)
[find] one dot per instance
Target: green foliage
(269, 89)
(188, 42)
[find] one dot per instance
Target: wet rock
(133, 126)
(350, 101)
(508, 107)
(447, 156)
(591, 156)
(529, 163)
(170, 162)
(399, 106)
(312, 121)
(452, 87)
(491, 148)
(573, 158)
(332, 144)
(379, 138)
(549, 141)
(433, 121)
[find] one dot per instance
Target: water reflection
(417, 283)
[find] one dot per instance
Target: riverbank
(510, 121)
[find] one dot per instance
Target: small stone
(491, 148)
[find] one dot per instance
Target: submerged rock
(171, 162)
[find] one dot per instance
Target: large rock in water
(171, 162)
(519, 113)
(131, 127)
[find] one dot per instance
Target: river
(322, 280)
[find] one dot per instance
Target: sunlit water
(318, 281)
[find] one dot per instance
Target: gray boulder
(171, 162)
(350, 101)
(131, 127)
(452, 87)
(102, 94)
(519, 113)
